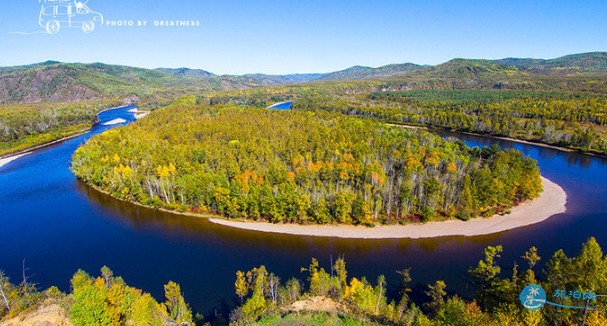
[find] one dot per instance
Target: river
(59, 225)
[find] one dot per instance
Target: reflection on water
(58, 224)
(574, 159)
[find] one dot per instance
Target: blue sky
(268, 36)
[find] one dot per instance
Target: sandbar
(114, 122)
(551, 202)
(6, 160)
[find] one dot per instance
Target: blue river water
(281, 106)
(58, 225)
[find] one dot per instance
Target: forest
(104, 300)
(559, 102)
(332, 297)
(301, 167)
(576, 121)
(23, 126)
(572, 119)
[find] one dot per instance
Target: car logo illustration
(56, 14)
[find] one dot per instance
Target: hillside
(360, 72)
(73, 82)
(463, 68)
(6, 70)
(584, 63)
(274, 80)
(186, 72)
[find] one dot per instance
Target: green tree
(90, 306)
(146, 311)
(485, 275)
(437, 295)
(178, 308)
(242, 288)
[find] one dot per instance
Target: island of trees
(301, 167)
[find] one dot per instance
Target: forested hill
(585, 63)
(66, 82)
(310, 168)
(359, 72)
(186, 72)
(72, 82)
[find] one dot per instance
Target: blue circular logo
(533, 297)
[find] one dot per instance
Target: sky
(306, 36)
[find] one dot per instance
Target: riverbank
(551, 202)
(9, 159)
(5, 159)
(516, 140)
(13, 156)
(139, 114)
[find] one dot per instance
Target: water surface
(59, 225)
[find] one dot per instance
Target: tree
(292, 290)
(146, 311)
(532, 258)
(456, 312)
(590, 267)
(380, 293)
(404, 283)
(178, 309)
(484, 275)
(362, 295)
(108, 276)
(272, 287)
(340, 271)
(90, 306)
(242, 288)
(3, 283)
(437, 294)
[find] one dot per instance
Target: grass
(312, 319)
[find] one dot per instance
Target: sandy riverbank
(4, 161)
(139, 114)
(16, 155)
(13, 156)
(551, 202)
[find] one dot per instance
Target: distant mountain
(302, 78)
(361, 72)
(262, 79)
(583, 63)
(462, 68)
(274, 80)
(70, 82)
(55, 81)
(186, 72)
(6, 70)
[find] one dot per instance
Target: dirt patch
(46, 315)
(319, 303)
